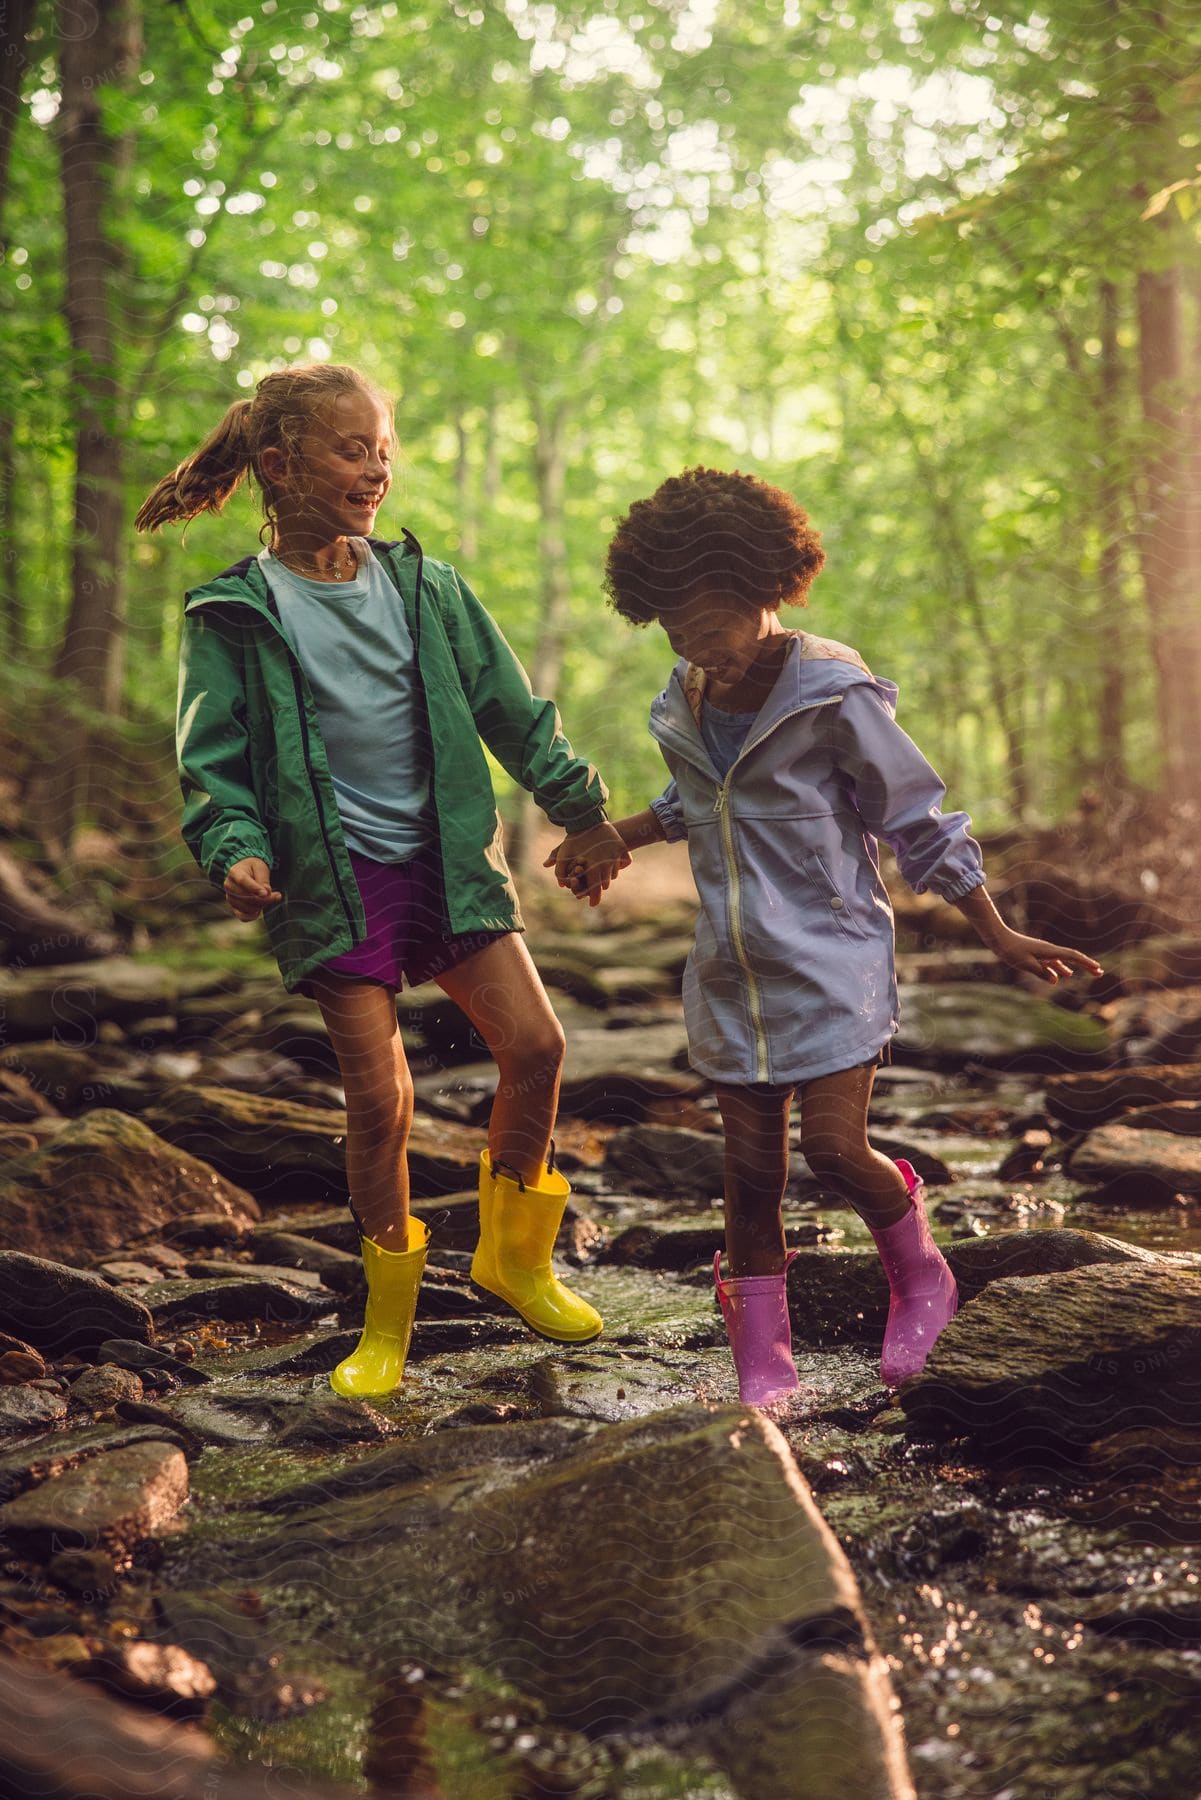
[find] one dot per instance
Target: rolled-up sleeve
(670, 814)
(899, 797)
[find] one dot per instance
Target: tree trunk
(99, 44)
(14, 56)
(1112, 634)
(1168, 533)
(546, 663)
(98, 41)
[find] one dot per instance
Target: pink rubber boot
(755, 1309)
(924, 1295)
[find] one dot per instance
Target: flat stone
(842, 1296)
(63, 1737)
(225, 1269)
(254, 1296)
(1057, 1361)
(617, 1075)
(341, 1270)
(46, 1458)
(126, 1353)
(662, 1160)
(650, 1502)
(34, 1002)
(1082, 1101)
(279, 1145)
(25, 1408)
(946, 1025)
(60, 1310)
(113, 1501)
(1171, 1160)
(132, 1274)
(101, 1181)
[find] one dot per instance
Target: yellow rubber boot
(519, 1222)
(377, 1362)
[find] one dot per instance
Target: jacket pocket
(838, 905)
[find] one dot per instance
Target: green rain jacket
(256, 780)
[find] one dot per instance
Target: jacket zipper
(754, 994)
(297, 676)
(720, 807)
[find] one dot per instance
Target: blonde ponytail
(283, 408)
(207, 478)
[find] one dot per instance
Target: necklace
(309, 567)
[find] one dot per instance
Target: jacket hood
(804, 681)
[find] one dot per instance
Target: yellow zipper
(739, 942)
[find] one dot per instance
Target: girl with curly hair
(787, 765)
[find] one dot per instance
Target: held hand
(248, 889)
(1035, 956)
(587, 861)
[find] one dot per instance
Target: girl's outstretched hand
(248, 889)
(587, 861)
(1035, 956)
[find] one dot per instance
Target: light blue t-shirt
(724, 734)
(353, 642)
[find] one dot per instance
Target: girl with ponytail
(334, 691)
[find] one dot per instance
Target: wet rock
(85, 1572)
(1166, 1158)
(101, 1181)
(208, 1230)
(655, 1159)
(277, 1146)
(114, 1501)
(64, 1738)
(842, 1296)
(34, 1002)
(59, 1310)
(945, 1026)
(127, 1353)
(767, 1653)
(132, 1274)
(686, 1244)
(24, 1408)
(46, 1458)
(105, 1386)
(340, 1270)
(1082, 1101)
(329, 1419)
(160, 1676)
(1055, 1361)
(616, 1075)
(20, 1101)
(1166, 961)
(67, 1076)
(253, 1296)
(19, 1361)
(226, 1269)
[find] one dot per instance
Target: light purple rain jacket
(792, 973)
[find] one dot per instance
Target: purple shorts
(408, 937)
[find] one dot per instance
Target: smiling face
(334, 483)
(721, 636)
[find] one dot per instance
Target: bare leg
(361, 1019)
(756, 1168)
(502, 994)
(835, 1145)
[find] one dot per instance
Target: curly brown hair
(730, 536)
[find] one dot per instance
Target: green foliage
(861, 253)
